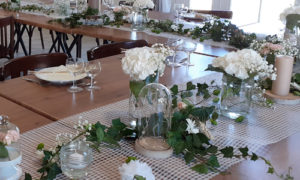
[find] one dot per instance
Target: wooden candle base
(290, 99)
(153, 148)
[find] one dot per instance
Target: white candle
(284, 66)
(76, 161)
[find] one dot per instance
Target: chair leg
(97, 41)
(42, 39)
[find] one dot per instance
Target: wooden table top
(108, 33)
(55, 102)
(22, 117)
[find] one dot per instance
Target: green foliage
(3, 151)
(292, 21)
(130, 158)
(28, 176)
(240, 119)
(40, 146)
(137, 177)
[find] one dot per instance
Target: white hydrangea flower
(191, 127)
(174, 27)
(128, 171)
(39, 154)
(243, 64)
(290, 10)
(141, 62)
(143, 4)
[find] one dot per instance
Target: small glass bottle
(11, 156)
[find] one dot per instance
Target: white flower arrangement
(244, 64)
(290, 10)
(142, 62)
(282, 48)
(143, 4)
(192, 128)
(136, 168)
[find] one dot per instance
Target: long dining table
(32, 105)
(27, 22)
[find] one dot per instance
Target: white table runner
(266, 127)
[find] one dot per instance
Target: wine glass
(75, 67)
(174, 44)
(73, 6)
(177, 9)
(108, 3)
(188, 47)
(92, 68)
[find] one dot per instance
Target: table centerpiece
(144, 65)
(140, 14)
(240, 69)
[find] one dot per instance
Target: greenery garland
(30, 8)
(196, 148)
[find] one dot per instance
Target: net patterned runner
(263, 127)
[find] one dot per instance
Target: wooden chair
(7, 37)
(19, 66)
(221, 14)
(113, 49)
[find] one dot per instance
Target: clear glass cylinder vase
(236, 97)
(135, 88)
(139, 19)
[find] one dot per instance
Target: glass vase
(135, 88)
(236, 97)
(139, 19)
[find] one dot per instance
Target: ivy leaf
(174, 102)
(180, 146)
(200, 168)
(216, 92)
(53, 171)
(40, 146)
(244, 151)
(212, 149)
(215, 116)
(213, 161)
(188, 157)
(240, 119)
(3, 151)
(28, 176)
(254, 157)
(130, 158)
(190, 86)
(227, 152)
(174, 90)
(116, 123)
(137, 177)
(99, 134)
(270, 170)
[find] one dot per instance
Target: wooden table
(107, 33)
(55, 102)
(22, 117)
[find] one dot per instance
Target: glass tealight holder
(12, 156)
(75, 159)
(154, 121)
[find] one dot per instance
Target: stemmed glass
(92, 68)
(178, 8)
(174, 44)
(188, 47)
(108, 3)
(75, 67)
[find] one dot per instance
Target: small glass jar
(155, 107)
(236, 97)
(139, 19)
(75, 159)
(11, 156)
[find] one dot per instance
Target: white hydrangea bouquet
(240, 69)
(293, 10)
(143, 4)
(144, 65)
(244, 64)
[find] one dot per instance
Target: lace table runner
(264, 126)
